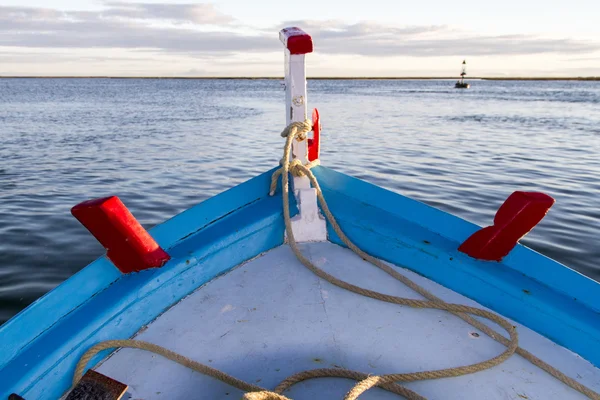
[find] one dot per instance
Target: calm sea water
(165, 145)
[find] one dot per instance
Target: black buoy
(461, 84)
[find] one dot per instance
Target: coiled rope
(298, 131)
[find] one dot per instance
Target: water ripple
(165, 145)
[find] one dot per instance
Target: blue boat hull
(40, 346)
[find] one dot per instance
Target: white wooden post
(297, 43)
(309, 225)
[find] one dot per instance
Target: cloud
(203, 14)
(371, 39)
(585, 59)
(199, 30)
(191, 13)
(332, 29)
(125, 25)
(47, 58)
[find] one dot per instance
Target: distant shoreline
(589, 78)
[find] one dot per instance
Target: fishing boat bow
(303, 272)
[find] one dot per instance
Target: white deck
(271, 317)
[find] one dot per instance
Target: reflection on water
(165, 145)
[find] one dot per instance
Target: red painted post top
(296, 40)
(514, 219)
(128, 245)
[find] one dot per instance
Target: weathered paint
(308, 225)
(30, 323)
(305, 322)
(40, 344)
(137, 299)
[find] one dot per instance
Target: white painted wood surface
(296, 99)
(309, 225)
(271, 317)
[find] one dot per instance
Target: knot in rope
(389, 382)
(294, 167)
(298, 130)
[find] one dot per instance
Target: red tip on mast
(296, 40)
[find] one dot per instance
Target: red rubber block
(514, 219)
(128, 245)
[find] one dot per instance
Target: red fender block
(128, 245)
(514, 219)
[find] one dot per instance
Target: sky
(351, 38)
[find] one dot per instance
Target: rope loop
(298, 130)
(263, 395)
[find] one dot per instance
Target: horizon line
(525, 78)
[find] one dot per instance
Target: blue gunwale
(98, 275)
(76, 312)
(39, 350)
(522, 259)
(411, 238)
